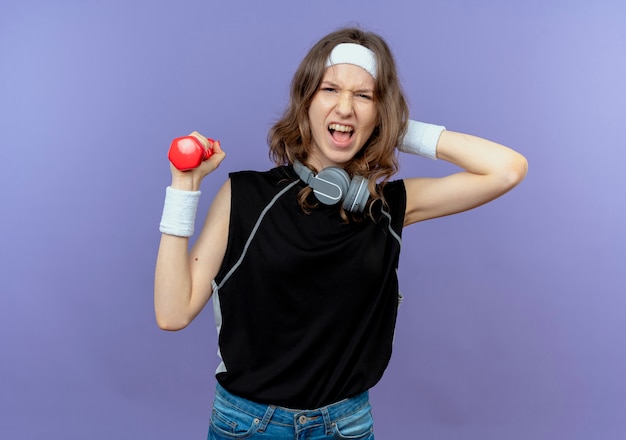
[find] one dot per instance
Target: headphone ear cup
(357, 195)
(331, 185)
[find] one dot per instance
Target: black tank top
(305, 304)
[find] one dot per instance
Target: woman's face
(342, 115)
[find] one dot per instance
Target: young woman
(301, 260)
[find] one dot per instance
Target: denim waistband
(290, 417)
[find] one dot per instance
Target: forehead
(349, 76)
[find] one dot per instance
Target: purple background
(514, 323)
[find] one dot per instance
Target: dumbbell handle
(187, 153)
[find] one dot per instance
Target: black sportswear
(305, 304)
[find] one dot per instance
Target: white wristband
(421, 139)
(179, 212)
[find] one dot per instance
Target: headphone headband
(303, 172)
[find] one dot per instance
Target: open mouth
(341, 133)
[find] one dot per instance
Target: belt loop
(266, 418)
(327, 423)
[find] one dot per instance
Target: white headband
(351, 53)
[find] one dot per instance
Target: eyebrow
(335, 85)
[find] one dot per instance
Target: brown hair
(290, 137)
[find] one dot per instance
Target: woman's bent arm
(182, 281)
(491, 170)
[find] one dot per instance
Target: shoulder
(394, 193)
(393, 204)
(254, 189)
(395, 189)
(274, 177)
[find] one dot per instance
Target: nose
(344, 104)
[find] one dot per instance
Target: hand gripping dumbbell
(187, 152)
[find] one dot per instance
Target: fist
(187, 152)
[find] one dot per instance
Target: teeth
(338, 127)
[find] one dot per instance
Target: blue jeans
(237, 418)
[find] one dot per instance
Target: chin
(342, 155)
(331, 155)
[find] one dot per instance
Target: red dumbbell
(187, 153)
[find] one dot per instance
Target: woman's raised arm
(183, 278)
(490, 170)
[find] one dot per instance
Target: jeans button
(302, 420)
